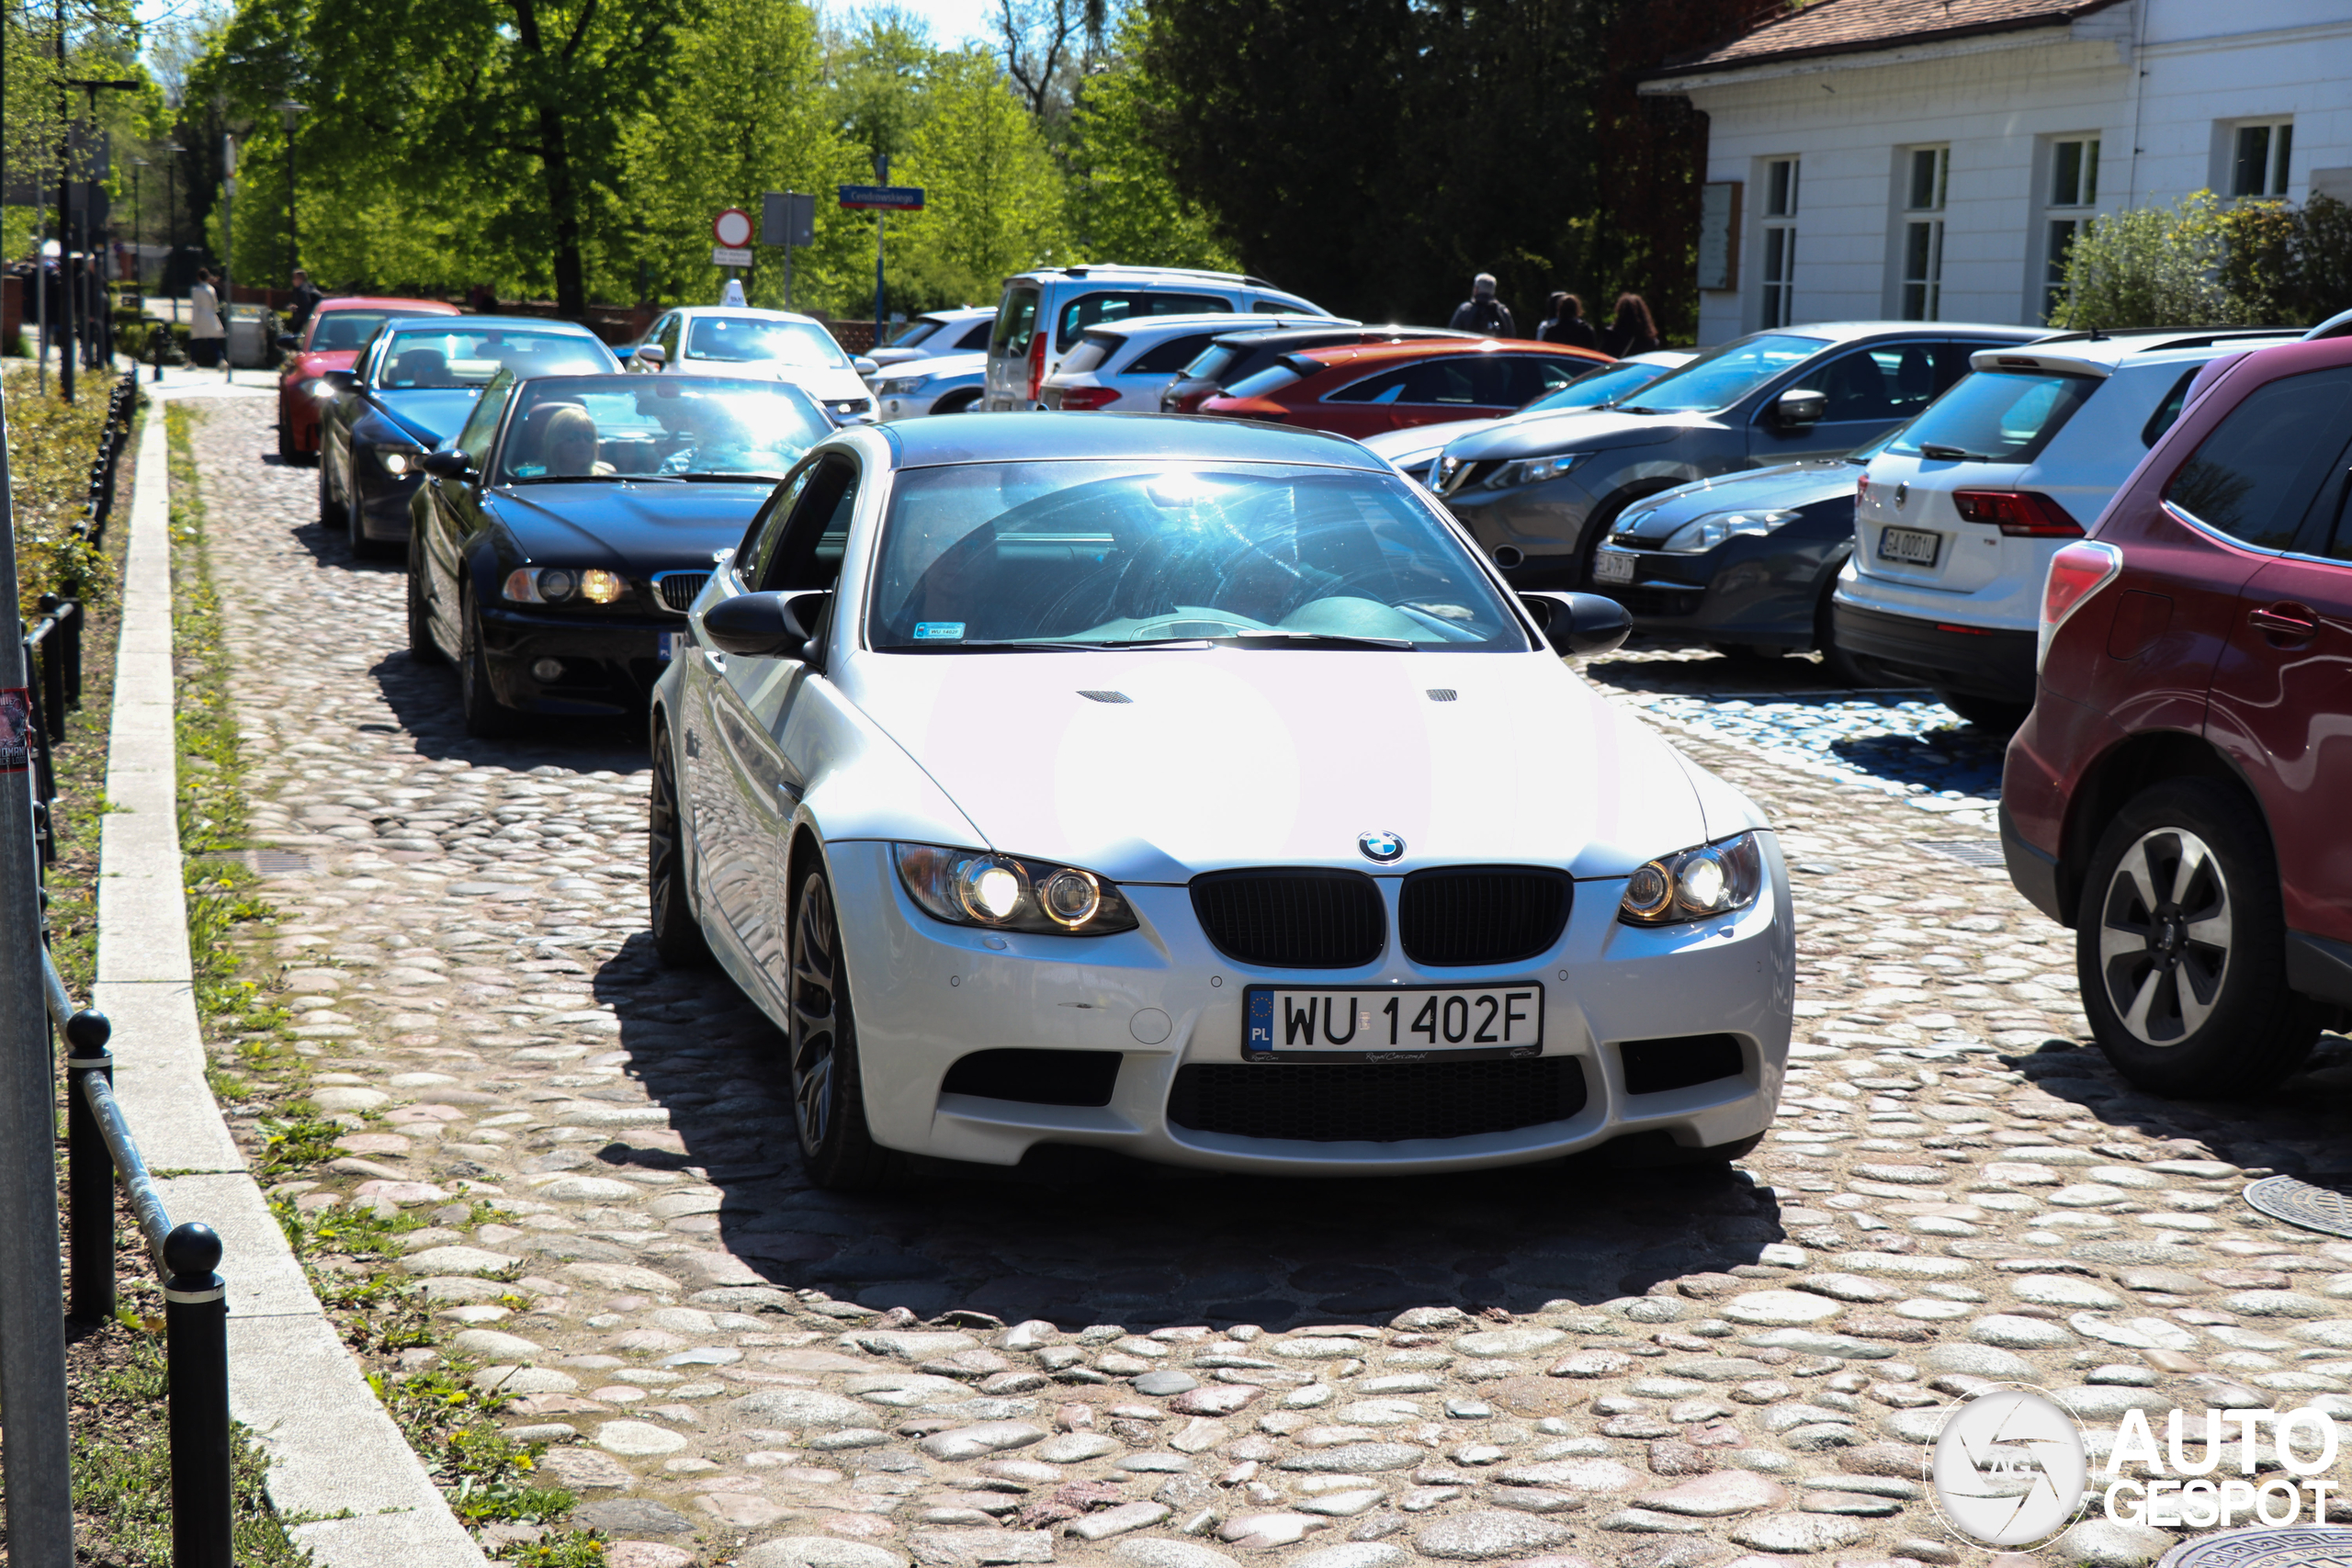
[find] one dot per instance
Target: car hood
(1785, 486)
(430, 414)
(936, 366)
(626, 525)
(321, 362)
(1569, 430)
(1413, 447)
(1225, 757)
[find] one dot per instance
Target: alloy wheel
(2164, 937)
(815, 1012)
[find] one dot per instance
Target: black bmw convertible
(555, 544)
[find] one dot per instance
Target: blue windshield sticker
(939, 631)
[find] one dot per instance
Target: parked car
(1959, 516)
(1744, 562)
(1364, 390)
(946, 383)
(1095, 926)
(1541, 492)
(554, 546)
(1242, 353)
(738, 341)
(414, 385)
(329, 340)
(1044, 313)
(1123, 367)
(1415, 449)
(937, 334)
(2178, 794)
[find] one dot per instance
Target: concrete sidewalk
(335, 1457)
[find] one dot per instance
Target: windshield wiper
(576, 478)
(1943, 453)
(1319, 639)
(1046, 646)
(714, 476)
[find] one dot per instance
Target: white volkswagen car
(739, 341)
(1195, 790)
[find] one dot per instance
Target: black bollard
(90, 1169)
(195, 1328)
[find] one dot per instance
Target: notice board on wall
(1719, 235)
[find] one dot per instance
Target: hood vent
(1106, 696)
(1443, 694)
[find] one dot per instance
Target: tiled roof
(1845, 27)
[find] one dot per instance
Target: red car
(330, 341)
(1360, 389)
(2178, 794)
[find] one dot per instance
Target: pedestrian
(1568, 324)
(1482, 312)
(733, 293)
(1631, 328)
(306, 301)
(205, 335)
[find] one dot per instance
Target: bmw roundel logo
(1383, 848)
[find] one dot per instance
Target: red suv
(2180, 795)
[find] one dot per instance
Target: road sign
(730, 255)
(787, 217)
(732, 228)
(889, 198)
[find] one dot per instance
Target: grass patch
(50, 444)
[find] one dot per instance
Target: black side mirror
(1799, 408)
(1579, 625)
(336, 382)
(288, 343)
(764, 625)
(448, 463)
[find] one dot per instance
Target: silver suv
(1044, 314)
(1539, 490)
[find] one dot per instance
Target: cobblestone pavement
(1183, 1371)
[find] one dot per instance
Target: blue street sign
(894, 198)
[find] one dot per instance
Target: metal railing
(98, 1146)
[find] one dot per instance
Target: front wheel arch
(2137, 764)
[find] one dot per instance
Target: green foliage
(1123, 206)
(50, 444)
(993, 201)
(573, 1549)
(295, 1145)
(2205, 262)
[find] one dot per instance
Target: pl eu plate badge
(1259, 1039)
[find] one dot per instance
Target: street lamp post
(171, 213)
(289, 111)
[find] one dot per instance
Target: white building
(1930, 159)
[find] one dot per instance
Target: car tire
(678, 941)
(328, 517)
(1989, 714)
(355, 529)
(2190, 997)
(1749, 652)
(1848, 669)
(486, 718)
(828, 1091)
(286, 453)
(422, 648)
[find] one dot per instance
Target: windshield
(1111, 554)
(917, 329)
(619, 427)
(1719, 379)
(747, 339)
(454, 356)
(342, 332)
(1995, 416)
(1213, 361)
(1603, 386)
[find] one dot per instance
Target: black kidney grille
(1302, 918)
(1499, 914)
(678, 589)
(1380, 1102)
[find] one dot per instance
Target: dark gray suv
(1539, 491)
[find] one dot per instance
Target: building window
(2259, 157)
(2073, 188)
(1780, 241)
(1926, 170)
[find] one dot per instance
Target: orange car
(1360, 389)
(330, 341)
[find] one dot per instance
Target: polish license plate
(1912, 546)
(1612, 566)
(671, 643)
(1392, 1023)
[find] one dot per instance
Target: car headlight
(900, 388)
(399, 460)
(975, 887)
(1531, 470)
(1695, 884)
(564, 585)
(321, 391)
(1703, 534)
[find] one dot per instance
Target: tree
(993, 195)
(1049, 45)
(1124, 207)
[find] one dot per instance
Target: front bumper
(609, 664)
(1974, 660)
(1749, 590)
(1161, 999)
(383, 497)
(1544, 523)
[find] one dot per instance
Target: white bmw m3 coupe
(1195, 790)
